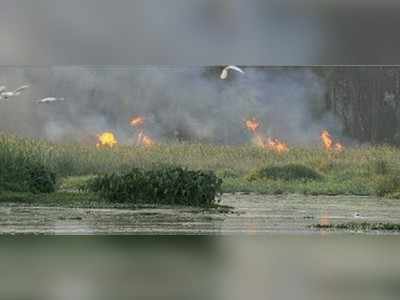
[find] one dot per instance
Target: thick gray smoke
(178, 103)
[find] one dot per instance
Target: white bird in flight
(7, 95)
(50, 99)
(225, 71)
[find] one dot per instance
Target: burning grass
(107, 140)
(359, 171)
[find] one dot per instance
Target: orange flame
(272, 144)
(147, 141)
(252, 124)
(327, 140)
(106, 139)
(329, 143)
(339, 147)
(137, 121)
(276, 145)
(144, 140)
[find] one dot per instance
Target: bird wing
(7, 94)
(50, 99)
(20, 89)
(236, 69)
(44, 100)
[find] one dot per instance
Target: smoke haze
(190, 103)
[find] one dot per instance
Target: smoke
(189, 103)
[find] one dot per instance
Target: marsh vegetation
(36, 166)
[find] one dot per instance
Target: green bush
(27, 177)
(23, 168)
(287, 172)
(172, 186)
(41, 180)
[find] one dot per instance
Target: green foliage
(22, 172)
(41, 180)
(286, 172)
(171, 185)
(74, 183)
(357, 170)
(380, 167)
(388, 186)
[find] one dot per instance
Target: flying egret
(6, 95)
(225, 71)
(2, 89)
(50, 99)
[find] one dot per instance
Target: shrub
(41, 180)
(22, 169)
(27, 177)
(172, 186)
(286, 172)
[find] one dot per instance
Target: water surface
(250, 213)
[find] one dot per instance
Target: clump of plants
(286, 172)
(41, 179)
(28, 177)
(22, 169)
(168, 185)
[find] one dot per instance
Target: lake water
(272, 266)
(251, 213)
(286, 259)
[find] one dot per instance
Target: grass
(68, 199)
(371, 170)
(65, 199)
(289, 172)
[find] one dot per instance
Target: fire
(272, 144)
(106, 139)
(327, 140)
(329, 144)
(144, 140)
(252, 124)
(339, 147)
(137, 121)
(276, 145)
(147, 141)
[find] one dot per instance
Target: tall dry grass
(368, 164)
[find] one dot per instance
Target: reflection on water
(261, 267)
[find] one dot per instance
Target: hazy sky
(198, 32)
